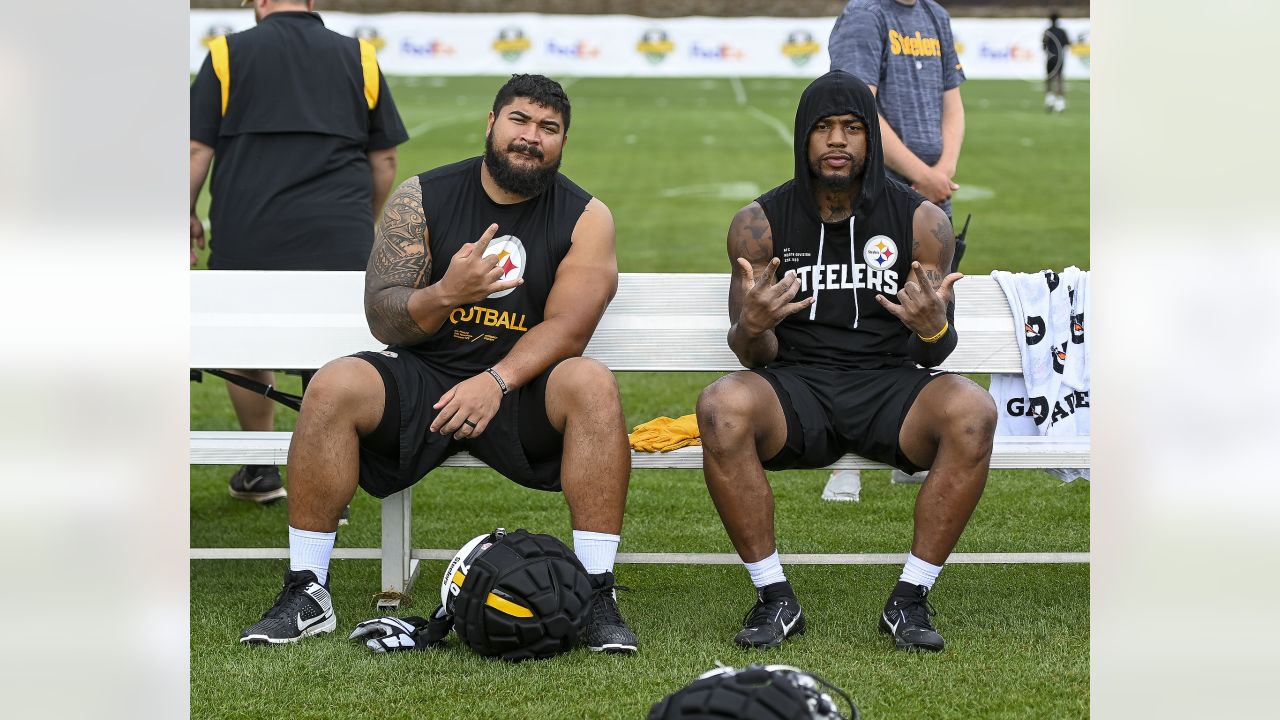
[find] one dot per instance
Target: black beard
(518, 180)
(835, 183)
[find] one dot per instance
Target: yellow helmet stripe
(506, 606)
(458, 577)
(369, 64)
(221, 67)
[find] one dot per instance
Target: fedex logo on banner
(1006, 53)
(429, 48)
(724, 51)
(581, 50)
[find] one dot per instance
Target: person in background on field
(1055, 43)
(305, 131)
(905, 52)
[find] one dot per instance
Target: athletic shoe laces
(604, 611)
(290, 600)
(917, 611)
(765, 611)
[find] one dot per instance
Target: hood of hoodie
(839, 93)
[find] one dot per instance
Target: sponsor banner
(628, 46)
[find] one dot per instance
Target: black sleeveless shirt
(532, 239)
(843, 266)
(845, 328)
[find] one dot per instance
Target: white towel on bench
(1051, 396)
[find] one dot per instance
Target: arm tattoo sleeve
(755, 242)
(947, 239)
(398, 264)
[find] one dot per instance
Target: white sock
(767, 571)
(310, 550)
(596, 551)
(919, 572)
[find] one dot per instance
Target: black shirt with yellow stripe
(291, 109)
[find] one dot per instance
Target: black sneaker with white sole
(302, 608)
(775, 617)
(908, 617)
(606, 631)
(257, 483)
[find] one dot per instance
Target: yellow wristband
(946, 325)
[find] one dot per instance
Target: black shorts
(833, 412)
(520, 442)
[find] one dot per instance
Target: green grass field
(674, 159)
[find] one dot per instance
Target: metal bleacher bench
(657, 322)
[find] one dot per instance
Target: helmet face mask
(455, 573)
(765, 692)
(516, 595)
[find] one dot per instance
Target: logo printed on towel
(511, 256)
(1060, 357)
(880, 252)
(1051, 278)
(1034, 329)
(1077, 329)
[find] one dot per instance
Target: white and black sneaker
(606, 630)
(908, 617)
(302, 608)
(775, 617)
(257, 483)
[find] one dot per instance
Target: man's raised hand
(921, 306)
(471, 276)
(768, 301)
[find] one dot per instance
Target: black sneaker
(908, 617)
(302, 608)
(775, 617)
(258, 483)
(606, 631)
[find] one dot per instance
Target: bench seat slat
(272, 448)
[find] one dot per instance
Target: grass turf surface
(674, 159)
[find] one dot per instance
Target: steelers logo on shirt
(511, 257)
(880, 252)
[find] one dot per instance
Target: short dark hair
(538, 88)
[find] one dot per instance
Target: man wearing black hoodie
(839, 306)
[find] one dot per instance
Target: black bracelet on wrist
(501, 383)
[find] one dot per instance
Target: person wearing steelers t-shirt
(840, 305)
(486, 280)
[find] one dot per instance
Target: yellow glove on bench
(664, 434)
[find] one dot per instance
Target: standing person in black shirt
(305, 131)
(840, 307)
(1055, 43)
(487, 280)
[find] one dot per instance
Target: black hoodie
(845, 328)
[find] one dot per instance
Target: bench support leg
(398, 570)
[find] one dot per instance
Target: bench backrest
(658, 321)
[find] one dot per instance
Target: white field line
(417, 130)
(783, 132)
(739, 92)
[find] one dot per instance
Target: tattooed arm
(399, 307)
(927, 300)
(758, 300)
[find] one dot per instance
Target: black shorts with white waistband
(833, 412)
(520, 442)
